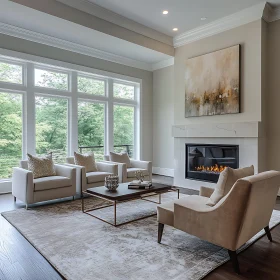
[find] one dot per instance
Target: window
(124, 91)
(91, 128)
(10, 132)
(51, 127)
(124, 129)
(91, 85)
(10, 73)
(51, 79)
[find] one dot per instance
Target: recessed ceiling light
(165, 12)
(203, 18)
(175, 29)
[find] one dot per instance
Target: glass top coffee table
(123, 194)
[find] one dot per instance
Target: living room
(98, 98)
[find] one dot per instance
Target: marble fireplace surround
(248, 136)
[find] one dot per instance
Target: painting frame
(233, 98)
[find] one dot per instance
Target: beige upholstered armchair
(127, 174)
(30, 190)
(86, 180)
(236, 218)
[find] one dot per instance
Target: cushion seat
(95, 177)
(51, 182)
(131, 172)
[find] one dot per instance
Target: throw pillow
(41, 166)
(227, 179)
(121, 158)
(86, 160)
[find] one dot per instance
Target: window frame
(28, 90)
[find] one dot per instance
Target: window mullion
(73, 116)
(110, 118)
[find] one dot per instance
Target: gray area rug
(82, 247)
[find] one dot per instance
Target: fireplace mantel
(215, 130)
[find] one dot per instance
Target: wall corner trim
(226, 23)
(40, 38)
(163, 64)
(163, 171)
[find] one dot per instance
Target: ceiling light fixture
(203, 18)
(175, 29)
(165, 12)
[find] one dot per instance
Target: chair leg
(268, 234)
(234, 260)
(26, 206)
(160, 231)
(15, 199)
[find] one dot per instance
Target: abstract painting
(212, 83)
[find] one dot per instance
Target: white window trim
(29, 91)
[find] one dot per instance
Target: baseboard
(163, 171)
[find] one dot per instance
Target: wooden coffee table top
(123, 193)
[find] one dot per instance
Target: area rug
(82, 247)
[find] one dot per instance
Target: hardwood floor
(20, 260)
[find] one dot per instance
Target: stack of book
(140, 185)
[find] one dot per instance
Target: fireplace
(206, 162)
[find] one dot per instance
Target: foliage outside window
(51, 79)
(51, 127)
(10, 132)
(123, 91)
(10, 73)
(124, 129)
(91, 129)
(91, 86)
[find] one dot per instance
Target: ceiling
(183, 14)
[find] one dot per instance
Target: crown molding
(272, 14)
(29, 35)
(226, 23)
(163, 64)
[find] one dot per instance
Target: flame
(215, 168)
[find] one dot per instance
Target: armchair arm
(206, 191)
(81, 180)
(122, 170)
(143, 165)
(66, 171)
(107, 167)
(22, 185)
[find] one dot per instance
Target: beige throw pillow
(227, 179)
(121, 158)
(86, 160)
(41, 166)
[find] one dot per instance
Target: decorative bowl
(112, 182)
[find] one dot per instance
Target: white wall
(163, 143)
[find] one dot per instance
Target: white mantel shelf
(225, 130)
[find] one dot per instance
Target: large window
(91, 128)
(62, 108)
(51, 127)
(10, 132)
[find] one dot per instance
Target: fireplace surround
(205, 162)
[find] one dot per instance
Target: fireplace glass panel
(206, 162)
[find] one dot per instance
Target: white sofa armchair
(86, 180)
(30, 190)
(128, 174)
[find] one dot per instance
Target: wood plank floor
(19, 260)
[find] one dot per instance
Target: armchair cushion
(86, 160)
(95, 177)
(121, 158)
(131, 172)
(51, 182)
(227, 179)
(41, 166)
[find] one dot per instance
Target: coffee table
(123, 194)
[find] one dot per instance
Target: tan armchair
(128, 174)
(236, 218)
(86, 180)
(30, 190)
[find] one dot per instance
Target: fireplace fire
(206, 162)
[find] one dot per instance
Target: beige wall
(24, 46)
(273, 106)
(249, 36)
(163, 119)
